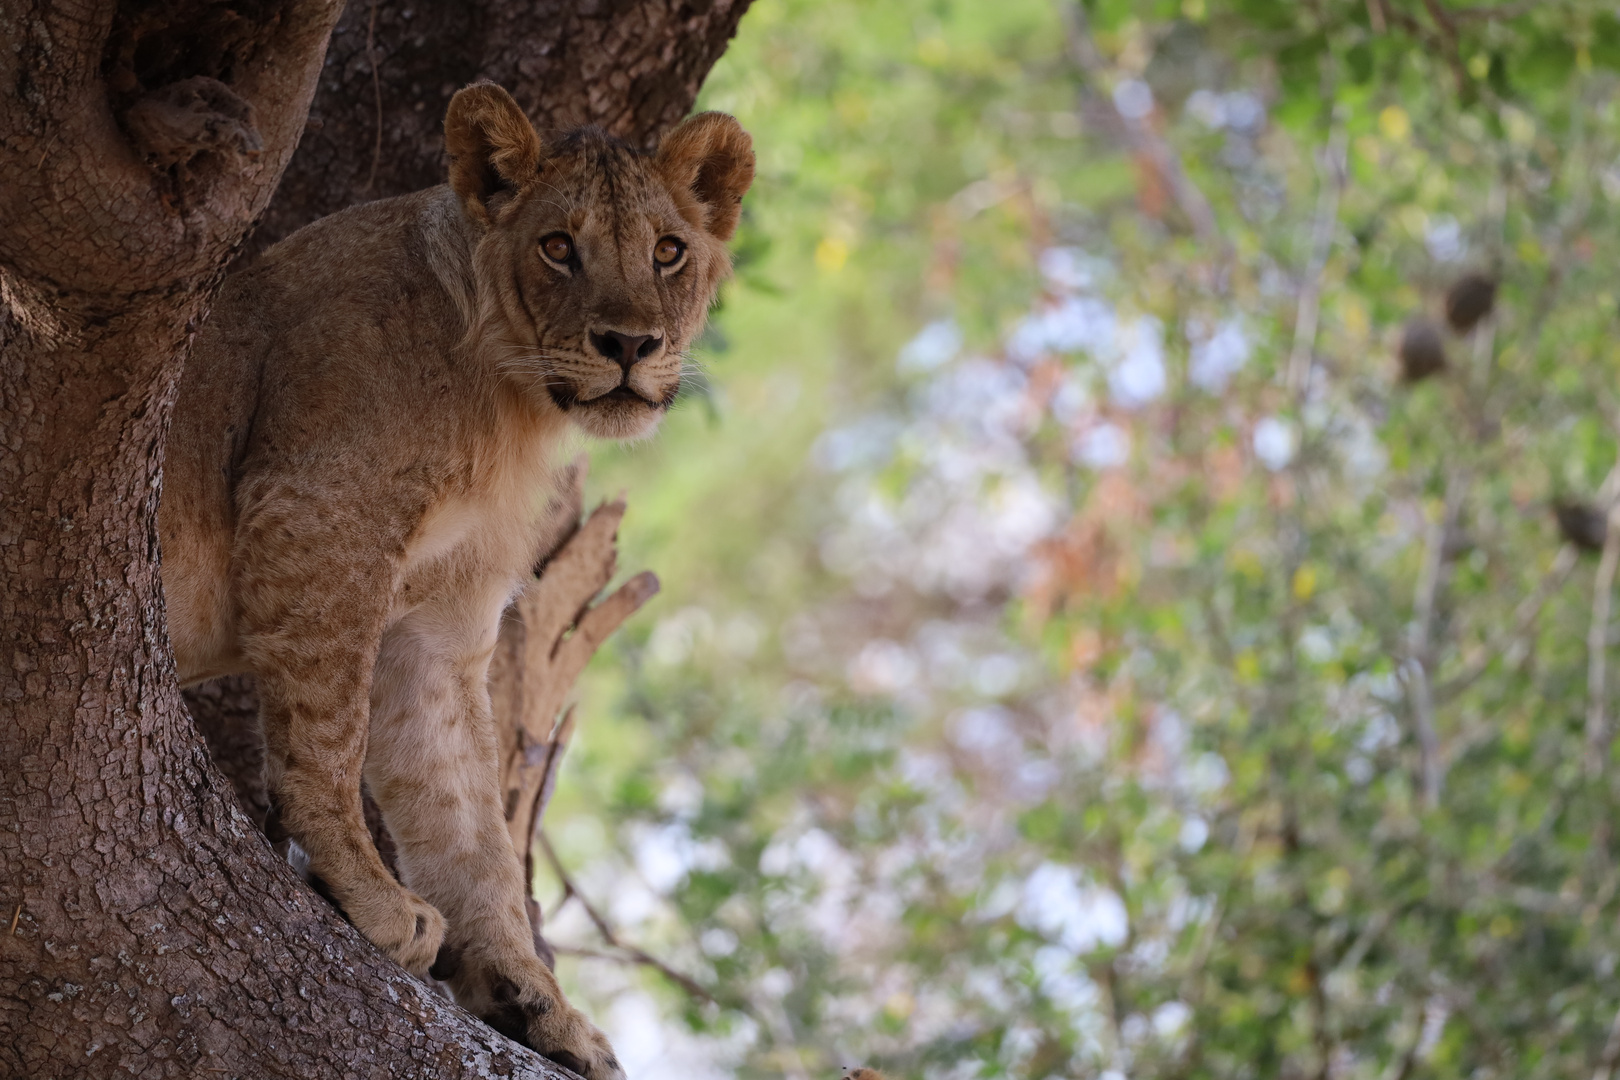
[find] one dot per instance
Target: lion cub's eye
(558, 247)
(668, 251)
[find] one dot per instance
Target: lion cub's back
(305, 356)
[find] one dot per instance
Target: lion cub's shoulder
(370, 256)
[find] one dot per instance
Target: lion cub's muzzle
(635, 355)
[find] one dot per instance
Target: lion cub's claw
(592, 1057)
(554, 1029)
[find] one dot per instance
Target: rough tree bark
(145, 927)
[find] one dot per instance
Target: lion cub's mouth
(622, 393)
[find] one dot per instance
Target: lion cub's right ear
(493, 147)
(709, 162)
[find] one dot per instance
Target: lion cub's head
(597, 262)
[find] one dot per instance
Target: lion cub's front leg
(433, 766)
(310, 627)
(315, 747)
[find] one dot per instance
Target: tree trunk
(146, 929)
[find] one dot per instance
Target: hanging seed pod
(1581, 524)
(1469, 300)
(1422, 351)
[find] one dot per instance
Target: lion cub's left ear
(711, 159)
(493, 147)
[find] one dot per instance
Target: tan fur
(360, 453)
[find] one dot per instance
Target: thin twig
(1334, 174)
(1141, 137)
(14, 917)
(1400, 1066)
(1421, 652)
(548, 782)
(570, 889)
(43, 154)
(1441, 19)
(1492, 14)
(376, 88)
(1597, 648)
(596, 954)
(631, 952)
(1453, 48)
(1611, 1052)
(1529, 609)
(1364, 942)
(640, 959)
(1524, 620)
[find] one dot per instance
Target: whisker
(569, 209)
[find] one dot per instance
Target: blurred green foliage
(1082, 652)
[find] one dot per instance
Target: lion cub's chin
(621, 420)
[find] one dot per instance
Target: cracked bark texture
(146, 929)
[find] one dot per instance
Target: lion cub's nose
(625, 349)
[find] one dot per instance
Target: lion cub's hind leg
(433, 767)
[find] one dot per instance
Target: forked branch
(546, 639)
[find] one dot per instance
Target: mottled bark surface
(146, 929)
(227, 715)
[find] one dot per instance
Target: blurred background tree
(1138, 571)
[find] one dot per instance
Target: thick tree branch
(546, 639)
(375, 128)
(87, 216)
(554, 631)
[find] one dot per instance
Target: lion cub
(360, 454)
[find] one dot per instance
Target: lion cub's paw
(403, 925)
(556, 1030)
(564, 1035)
